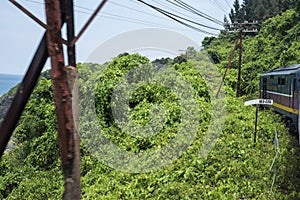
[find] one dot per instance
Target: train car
(283, 86)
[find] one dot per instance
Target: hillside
(277, 44)
(259, 10)
(219, 161)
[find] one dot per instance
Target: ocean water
(7, 81)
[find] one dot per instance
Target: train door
(294, 93)
(264, 87)
(297, 99)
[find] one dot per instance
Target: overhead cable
(218, 5)
(172, 9)
(119, 17)
(128, 19)
(189, 8)
(136, 10)
(173, 17)
(176, 16)
(227, 3)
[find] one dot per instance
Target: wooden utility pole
(228, 65)
(238, 85)
(243, 28)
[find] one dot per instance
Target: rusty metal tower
(64, 79)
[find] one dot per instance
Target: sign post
(258, 102)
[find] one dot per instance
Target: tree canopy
(259, 10)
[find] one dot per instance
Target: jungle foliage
(235, 168)
(259, 10)
(276, 44)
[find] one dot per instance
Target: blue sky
(19, 35)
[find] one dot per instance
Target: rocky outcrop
(5, 102)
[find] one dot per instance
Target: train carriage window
(281, 81)
(272, 77)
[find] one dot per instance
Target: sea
(7, 81)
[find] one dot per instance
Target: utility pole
(238, 85)
(249, 28)
(228, 65)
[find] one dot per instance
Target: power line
(173, 17)
(201, 13)
(226, 1)
(128, 19)
(169, 8)
(119, 17)
(176, 16)
(189, 8)
(109, 15)
(218, 5)
(130, 8)
(136, 21)
(106, 13)
(191, 21)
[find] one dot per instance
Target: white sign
(259, 101)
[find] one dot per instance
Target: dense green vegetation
(277, 44)
(259, 10)
(235, 168)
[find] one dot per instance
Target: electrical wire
(171, 9)
(136, 21)
(136, 10)
(189, 8)
(226, 1)
(173, 17)
(126, 19)
(200, 12)
(191, 21)
(118, 17)
(199, 24)
(177, 16)
(218, 5)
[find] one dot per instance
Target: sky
(20, 35)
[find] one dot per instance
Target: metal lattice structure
(64, 78)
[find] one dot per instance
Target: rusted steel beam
(63, 100)
(28, 13)
(23, 93)
(73, 86)
(59, 78)
(74, 170)
(88, 22)
(69, 19)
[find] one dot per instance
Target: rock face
(5, 102)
